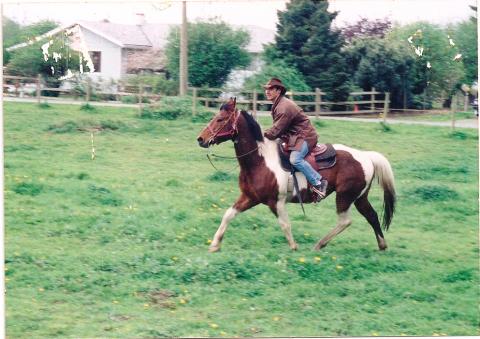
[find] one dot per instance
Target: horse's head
(222, 127)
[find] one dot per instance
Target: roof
(120, 34)
(150, 34)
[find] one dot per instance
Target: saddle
(321, 157)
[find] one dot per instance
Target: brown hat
(275, 82)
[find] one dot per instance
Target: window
(96, 59)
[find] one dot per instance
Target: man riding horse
(293, 127)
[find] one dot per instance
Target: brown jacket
(291, 124)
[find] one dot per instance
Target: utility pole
(183, 52)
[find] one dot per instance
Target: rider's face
(272, 93)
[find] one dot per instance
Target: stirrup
(319, 194)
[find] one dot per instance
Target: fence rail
(366, 102)
(312, 102)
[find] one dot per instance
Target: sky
(236, 12)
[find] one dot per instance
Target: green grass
(117, 246)
(438, 116)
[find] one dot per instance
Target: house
(117, 50)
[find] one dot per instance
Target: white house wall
(111, 56)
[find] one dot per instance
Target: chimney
(140, 19)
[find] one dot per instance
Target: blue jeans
(297, 159)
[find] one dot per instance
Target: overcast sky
(237, 12)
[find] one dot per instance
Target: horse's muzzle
(202, 142)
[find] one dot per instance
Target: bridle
(231, 134)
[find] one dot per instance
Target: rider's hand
(268, 136)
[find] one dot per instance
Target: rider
(293, 126)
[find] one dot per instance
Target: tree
(290, 76)
(438, 66)
(14, 33)
(30, 61)
(465, 36)
(306, 41)
(365, 28)
(379, 63)
(214, 49)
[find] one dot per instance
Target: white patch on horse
(269, 151)
(365, 162)
(227, 217)
(302, 185)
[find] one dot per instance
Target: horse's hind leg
(243, 203)
(344, 201)
(279, 209)
(366, 209)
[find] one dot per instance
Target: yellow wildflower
(213, 325)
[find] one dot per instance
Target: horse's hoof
(319, 246)
(294, 247)
(213, 249)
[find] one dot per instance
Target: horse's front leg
(279, 208)
(243, 203)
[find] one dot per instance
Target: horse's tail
(384, 174)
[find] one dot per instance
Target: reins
(230, 158)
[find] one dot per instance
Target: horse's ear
(232, 103)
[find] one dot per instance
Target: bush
(44, 105)
(87, 107)
(157, 83)
(172, 108)
(129, 99)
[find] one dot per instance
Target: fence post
(386, 106)
(194, 104)
(89, 88)
(38, 88)
(372, 98)
(255, 97)
(318, 102)
(140, 97)
(453, 108)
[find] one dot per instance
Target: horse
(262, 180)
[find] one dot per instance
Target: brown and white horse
(262, 180)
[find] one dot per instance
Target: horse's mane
(253, 125)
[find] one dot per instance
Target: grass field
(117, 246)
(444, 115)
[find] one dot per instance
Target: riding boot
(320, 190)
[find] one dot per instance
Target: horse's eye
(219, 119)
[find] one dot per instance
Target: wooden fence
(313, 103)
(28, 87)
(371, 102)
